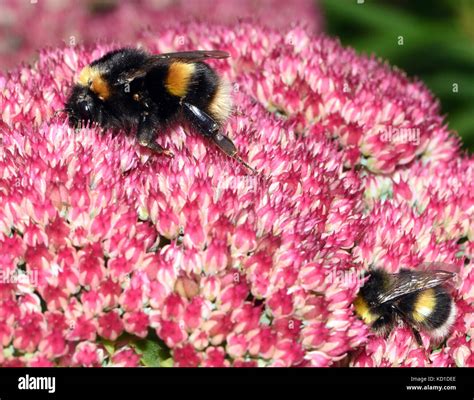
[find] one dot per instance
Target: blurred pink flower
(26, 26)
(228, 268)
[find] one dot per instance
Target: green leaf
(377, 26)
(167, 363)
(154, 354)
(373, 16)
(8, 351)
(109, 346)
(442, 84)
(462, 122)
(265, 319)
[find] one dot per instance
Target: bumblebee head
(373, 286)
(366, 304)
(84, 106)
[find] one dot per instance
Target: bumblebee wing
(408, 281)
(454, 283)
(165, 58)
(430, 266)
(192, 56)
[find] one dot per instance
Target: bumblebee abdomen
(198, 84)
(442, 318)
(432, 309)
(180, 78)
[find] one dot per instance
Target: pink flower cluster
(424, 212)
(103, 241)
(26, 26)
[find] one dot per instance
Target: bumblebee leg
(416, 333)
(382, 325)
(419, 341)
(146, 135)
(210, 128)
(417, 336)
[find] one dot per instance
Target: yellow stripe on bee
(425, 304)
(363, 311)
(92, 78)
(85, 76)
(179, 76)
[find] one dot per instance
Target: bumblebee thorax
(93, 78)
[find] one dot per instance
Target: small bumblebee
(419, 299)
(131, 89)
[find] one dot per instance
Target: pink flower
(237, 345)
(110, 325)
(288, 354)
(136, 323)
(244, 364)
(28, 333)
(125, 357)
(91, 302)
(172, 333)
(194, 314)
(199, 339)
(40, 361)
(83, 328)
(215, 357)
(6, 334)
(416, 358)
(280, 303)
(186, 356)
(246, 318)
(225, 267)
(262, 343)
(218, 326)
(234, 294)
(173, 307)
(53, 344)
(91, 268)
(88, 354)
(461, 350)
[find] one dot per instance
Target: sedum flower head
(108, 245)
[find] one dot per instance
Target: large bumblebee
(418, 299)
(129, 88)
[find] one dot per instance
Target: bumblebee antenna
(244, 163)
(228, 147)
